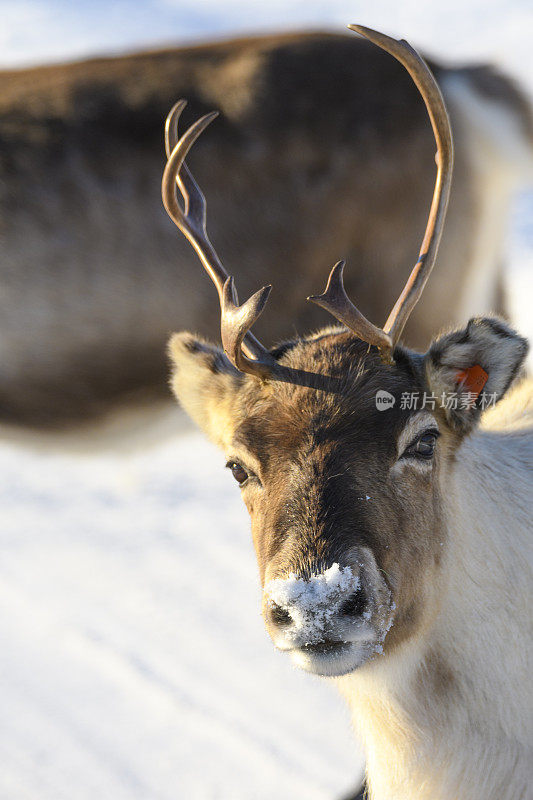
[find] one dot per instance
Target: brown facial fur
(319, 455)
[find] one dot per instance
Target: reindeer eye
(238, 472)
(424, 447)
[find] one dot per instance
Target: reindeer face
(343, 496)
(344, 493)
(344, 503)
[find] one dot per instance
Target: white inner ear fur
(414, 427)
(497, 351)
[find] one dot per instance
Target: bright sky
(34, 31)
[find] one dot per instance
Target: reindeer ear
(205, 384)
(473, 368)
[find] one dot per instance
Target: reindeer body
(450, 714)
(442, 699)
(322, 151)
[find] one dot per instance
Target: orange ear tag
(472, 379)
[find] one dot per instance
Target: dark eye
(238, 472)
(424, 447)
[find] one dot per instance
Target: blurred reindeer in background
(322, 150)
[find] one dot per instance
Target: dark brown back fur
(322, 151)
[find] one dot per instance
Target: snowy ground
(133, 659)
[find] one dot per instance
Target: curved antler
(236, 320)
(335, 299)
(245, 352)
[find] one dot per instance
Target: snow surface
(133, 658)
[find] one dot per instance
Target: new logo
(384, 400)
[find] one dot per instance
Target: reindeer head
(342, 442)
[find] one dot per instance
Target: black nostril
(279, 615)
(355, 604)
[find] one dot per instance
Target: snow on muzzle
(320, 615)
(322, 608)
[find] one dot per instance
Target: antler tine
(336, 302)
(235, 323)
(334, 298)
(191, 220)
(171, 126)
(192, 227)
(195, 204)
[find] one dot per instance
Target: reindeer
(393, 540)
(323, 143)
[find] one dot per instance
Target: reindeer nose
(354, 606)
(317, 609)
(278, 616)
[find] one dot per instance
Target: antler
(335, 299)
(245, 352)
